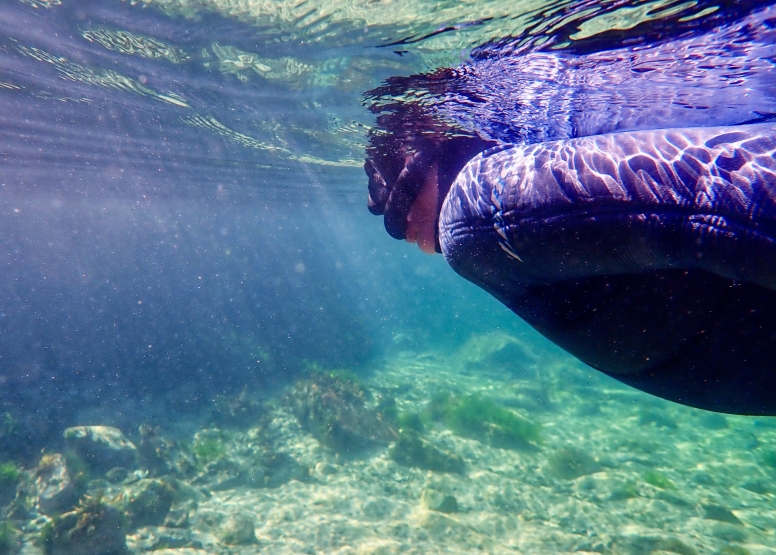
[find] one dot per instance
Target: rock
(703, 478)
(333, 408)
(435, 500)
(713, 511)
(146, 503)
(498, 354)
(237, 530)
(713, 421)
(415, 451)
(636, 544)
(326, 469)
(569, 463)
(174, 539)
(728, 532)
(93, 528)
(237, 411)
(223, 474)
(183, 491)
(673, 498)
(162, 455)
(269, 470)
(377, 509)
(102, 448)
(277, 469)
(54, 486)
(657, 418)
(178, 517)
(116, 475)
(438, 524)
(758, 486)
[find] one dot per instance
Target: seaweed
(386, 406)
(657, 479)
(628, 490)
(410, 421)
(414, 451)
(208, 448)
(92, 527)
(9, 538)
(731, 549)
(477, 417)
(9, 474)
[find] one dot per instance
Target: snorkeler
(648, 254)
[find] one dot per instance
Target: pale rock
(101, 447)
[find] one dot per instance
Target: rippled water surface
(157, 94)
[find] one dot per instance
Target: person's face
(421, 220)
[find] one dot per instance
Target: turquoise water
(188, 262)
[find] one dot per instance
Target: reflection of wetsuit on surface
(650, 255)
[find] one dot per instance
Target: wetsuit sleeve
(617, 204)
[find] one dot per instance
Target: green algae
(410, 421)
(657, 479)
(208, 449)
(731, 549)
(9, 538)
(628, 490)
(92, 527)
(9, 474)
(480, 418)
(386, 406)
(415, 451)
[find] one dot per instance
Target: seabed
(611, 471)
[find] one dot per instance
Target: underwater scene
(212, 342)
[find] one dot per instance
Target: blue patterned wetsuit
(650, 255)
(629, 214)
